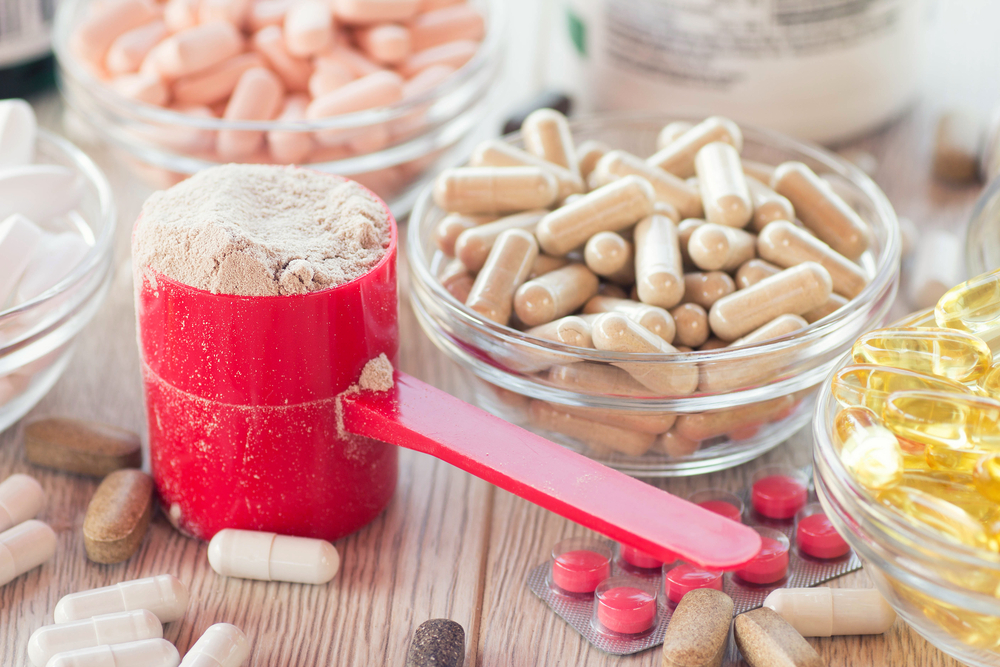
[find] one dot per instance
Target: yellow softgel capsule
(921, 508)
(868, 385)
(990, 383)
(973, 306)
(986, 476)
(953, 355)
(959, 489)
(936, 418)
(870, 451)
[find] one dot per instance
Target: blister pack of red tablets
(621, 599)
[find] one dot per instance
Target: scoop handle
(417, 416)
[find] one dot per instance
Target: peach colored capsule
(668, 188)
(129, 49)
(758, 170)
(678, 157)
(308, 28)
(655, 319)
(796, 290)
(670, 133)
(675, 445)
(452, 225)
(609, 255)
(289, 146)
(630, 420)
(329, 75)
(601, 437)
(832, 305)
(705, 425)
(614, 332)
(495, 189)
(821, 210)
(555, 294)
(188, 139)
(431, 5)
(497, 153)
(768, 205)
(705, 289)
(717, 247)
(785, 245)
(98, 31)
(724, 192)
(457, 280)
(685, 228)
(362, 142)
(571, 330)
(375, 90)
(216, 83)
(473, 246)
(593, 378)
(545, 264)
(294, 72)
(659, 275)
(505, 270)
(426, 80)
(267, 12)
(588, 154)
(691, 321)
(454, 54)
(547, 135)
(231, 11)
(431, 28)
(375, 11)
(359, 63)
(195, 49)
(754, 271)
(387, 43)
(415, 121)
(258, 95)
(180, 14)
(141, 87)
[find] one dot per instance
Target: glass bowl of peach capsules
(663, 296)
(907, 466)
(384, 92)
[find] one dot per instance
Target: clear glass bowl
(944, 590)
(982, 244)
(36, 337)
(407, 143)
(762, 409)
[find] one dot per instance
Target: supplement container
(982, 244)
(536, 383)
(36, 337)
(416, 137)
(945, 590)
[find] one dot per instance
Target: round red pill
(580, 571)
(677, 581)
(769, 565)
(626, 609)
(817, 537)
(727, 510)
(637, 558)
(779, 496)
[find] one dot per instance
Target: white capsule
(24, 547)
(145, 653)
(825, 612)
(54, 259)
(129, 626)
(19, 238)
(164, 595)
(21, 498)
(271, 557)
(17, 133)
(222, 645)
(39, 191)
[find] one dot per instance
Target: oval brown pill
(494, 189)
(766, 639)
(786, 245)
(118, 516)
(698, 630)
(83, 447)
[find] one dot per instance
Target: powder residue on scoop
(377, 374)
(261, 230)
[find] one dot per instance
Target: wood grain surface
(449, 545)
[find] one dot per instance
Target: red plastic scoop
(417, 416)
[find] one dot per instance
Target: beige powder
(259, 230)
(377, 374)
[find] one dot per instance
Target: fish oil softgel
(623, 600)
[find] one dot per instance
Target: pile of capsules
(621, 600)
(690, 249)
(287, 60)
(919, 427)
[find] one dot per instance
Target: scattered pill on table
(118, 516)
(249, 554)
(24, 547)
(83, 447)
(765, 639)
(108, 629)
(958, 144)
(222, 645)
(825, 612)
(439, 642)
(164, 595)
(145, 653)
(21, 498)
(699, 630)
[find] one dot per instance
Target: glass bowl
(982, 243)
(519, 374)
(944, 590)
(397, 148)
(36, 337)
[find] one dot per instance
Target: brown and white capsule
(724, 192)
(705, 425)
(609, 255)
(571, 330)
(691, 321)
(495, 189)
(610, 208)
(796, 290)
(754, 271)
(780, 326)
(761, 367)
(506, 268)
(555, 294)
(786, 245)
(497, 153)
(588, 153)
(452, 225)
(659, 273)
(768, 205)
(671, 132)
(457, 280)
(614, 332)
(832, 305)
(679, 155)
(685, 228)
(668, 188)
(547, 135)
(597, 435)
(473, 245)
(821, 210)
(655, 319)
(717, 247)
(589, 377)
(705, 289)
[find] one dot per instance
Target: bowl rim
(72, 65)
(98, 253)
(976, 251)
(886, 267)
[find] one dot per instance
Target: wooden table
(449, 545)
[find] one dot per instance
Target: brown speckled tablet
(438, 642)
(698, 630)
(83, 447)
(767, 640)
(118, 516)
